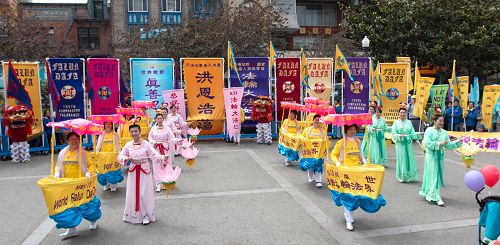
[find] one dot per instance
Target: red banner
(287, 82)
(104, 79)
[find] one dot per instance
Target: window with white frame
(205, 6)
(317, 14)
(137, 5)
(171, 5)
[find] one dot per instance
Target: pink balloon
(491, 175)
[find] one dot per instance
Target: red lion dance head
(262, 108)
(18, 117)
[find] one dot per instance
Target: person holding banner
(108, 142)
(314, 166)
(455, 115)
(403, 135)
(68, 166)
(436, 139)
(161, 138)
(137, 155)
(178, 126)
(471, 117)
(347, 152)
(375, 138)
(290, 126)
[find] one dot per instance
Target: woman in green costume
(364, 144)
(436, 139)
(375, 139)
(403, 135)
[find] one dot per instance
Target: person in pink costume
(161, 137)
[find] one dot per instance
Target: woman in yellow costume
(105, 143)
(314, 166)
(289, 126)
(347, 152)
(68, 167)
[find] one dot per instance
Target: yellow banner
(463, 93)
(313, 148)
(491, 93)
(423, 91)
(291, 141)
(395, 78)
(357, 180)
(204, 81)
(488, 142)
(320, 80)
(400, 59)
(106, 162)
(28, 75)
(64, 193)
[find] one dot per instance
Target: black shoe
(268, 143)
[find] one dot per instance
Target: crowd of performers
(351, 151)
(148, 160)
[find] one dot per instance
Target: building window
(88, 38)
(98, 9)
(203, 8)
(317, 14)
(171, 5)
(304, 42)
(137, 5)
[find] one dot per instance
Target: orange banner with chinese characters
(203, 83)
(491, 93)
(320, 77)
(395, 78)
(356, 180)
(28, 75)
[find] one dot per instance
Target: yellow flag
(272, 54)
(454, 81)
(423, 87)
(304, 72)
(341, 63)
(410, 82)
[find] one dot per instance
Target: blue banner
(254, 75)
(67, 75)
(357, 92)
(151, 76)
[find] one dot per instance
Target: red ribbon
(137, 168)
(161, 148)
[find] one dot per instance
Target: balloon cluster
(487, 175)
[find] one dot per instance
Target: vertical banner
(491, 94)
(150, 76)
(438, 96)
(232, 103)
(287, 82)
(28, 75)
(175, 98)
(67, 75)
(423, 90)
(463, 93)
(204, 81)
(357, 92)
(320, 80)
(395, 78)
(104, 79)
(254, 74)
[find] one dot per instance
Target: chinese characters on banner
(423, 90)
(104, 78)
(356, 180)
(320, 80)
(438, 95)
(176, 97)
(254, 74)
(232, 103)
(290, 141)
(463, 93)
(28, 75)
(488, 142)
(313, 148)
(395, 78)
(67, 75)
(204, 80)
(491, 93)
(357, 92)
(287, 82)
(151, 76)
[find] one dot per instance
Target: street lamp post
(365, 43)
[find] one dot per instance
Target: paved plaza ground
(245, 195)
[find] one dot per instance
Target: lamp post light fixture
(365, 43)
